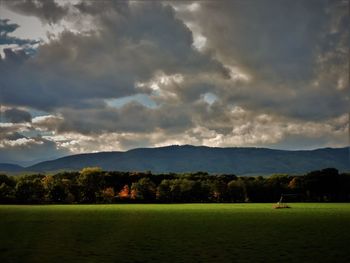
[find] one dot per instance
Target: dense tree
(56, 190)
(163, 191)
(92, 185)
(237, 191)
(4, 179)
(108, 195)
(90, 179)
(144, 189)
(7, 189)
(218, 189)
(30, 189)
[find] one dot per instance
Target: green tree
(89, 181)
(163, 191)
(7, 189)
(30, 189)
(108, 195)
(237, 191)
(218, 190)
(144, 189)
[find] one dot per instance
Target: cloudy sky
(79, 76)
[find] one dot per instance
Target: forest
(93, 185)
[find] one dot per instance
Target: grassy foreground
(175, 233)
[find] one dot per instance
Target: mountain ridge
(189, 158)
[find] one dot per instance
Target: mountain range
(188, 158)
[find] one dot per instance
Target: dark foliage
(92, 185)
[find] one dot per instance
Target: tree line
(92, 185)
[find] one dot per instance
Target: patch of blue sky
(37, 113)
(36, 133)
(143, 99)
(209, 98)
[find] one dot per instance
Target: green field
(175, 233)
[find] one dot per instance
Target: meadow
(307, 232)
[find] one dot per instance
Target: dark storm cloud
(46, 10)
(133, 117)
(17, 115)
(275, 69)
(77, 70)
(272, 37)
(296, 53)
(95, 7)
(10, 134)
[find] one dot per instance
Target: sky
(89, 76)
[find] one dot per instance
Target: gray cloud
(47, 10)
(15, 147)
(92, 7)
(80, 70)
(27, 151)
(276, 71)
(17, 115)
(294, 51)
(270, 37)
(47, 122)
(133, 117)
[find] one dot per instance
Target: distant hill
(189, 158)
(8, 167)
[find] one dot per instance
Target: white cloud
(18, 142)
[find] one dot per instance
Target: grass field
(175, 233)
